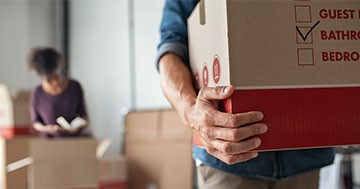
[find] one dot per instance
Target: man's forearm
(177, 84)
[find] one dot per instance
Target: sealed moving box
(14, 113)
(158, 150)
(296, 61)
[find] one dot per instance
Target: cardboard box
(14, 113)
(113, 172)
(12, 150)
(158, 150)
(296, 61)
(65, 163)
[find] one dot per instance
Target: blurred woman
(57, 96)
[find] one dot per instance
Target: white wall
(23, 24)
(147, 22)
(101, 60)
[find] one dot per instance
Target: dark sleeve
(81, 109)
(173, 29)
(35, 117)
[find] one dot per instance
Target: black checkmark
(307, 34)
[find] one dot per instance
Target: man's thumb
(216, 93)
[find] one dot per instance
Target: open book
(75, 123)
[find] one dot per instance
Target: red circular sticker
(205, 76)
(197, 81)
(216, 69)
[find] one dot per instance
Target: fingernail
(255, 154)
(260, 115)
(257, 142)
(226, 89)
(264, 128)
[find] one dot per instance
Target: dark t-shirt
(46, 108)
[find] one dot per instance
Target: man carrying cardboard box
(226, 161)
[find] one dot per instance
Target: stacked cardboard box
(14, 113)
(158, 150)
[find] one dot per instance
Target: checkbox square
(304, 32)
(305, 56)
(303, 13)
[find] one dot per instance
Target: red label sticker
(197, 81)
(216, 69)
(205, 76)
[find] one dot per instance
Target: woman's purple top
(46, 108)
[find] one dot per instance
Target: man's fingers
(233, 134)
(228, 137)
(236, 147)
(236, 120)
(215, 93)
(231, 152)
(232, 159)
(237, 134)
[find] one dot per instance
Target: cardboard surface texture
(66, 163)
(28, 162)
(296, 61)
(113, 173)
(12, 150)
(158, 150)
(14, 113)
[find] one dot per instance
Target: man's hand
(228, 137)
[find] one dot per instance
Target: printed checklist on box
(326, 25)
